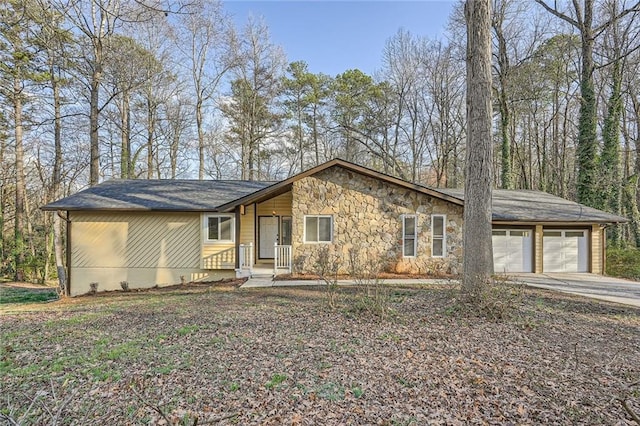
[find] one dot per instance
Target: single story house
(163, 232)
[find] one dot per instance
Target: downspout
(237, 230)
(603, 238)
(68, 254)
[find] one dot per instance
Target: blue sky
(334, 36)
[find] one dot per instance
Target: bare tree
(582, 19)
(255, 87)
(206, 41)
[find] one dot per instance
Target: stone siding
(367, 217)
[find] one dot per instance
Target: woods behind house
(98, 89)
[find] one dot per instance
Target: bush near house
(624, 263)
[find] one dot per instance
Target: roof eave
(125, 210)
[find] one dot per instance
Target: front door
(268, 234)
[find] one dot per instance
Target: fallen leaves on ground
(280, 356)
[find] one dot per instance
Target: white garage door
(512, 250)
(565, 251)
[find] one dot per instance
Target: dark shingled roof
(159, 194)
(222, 195)
(536, 206)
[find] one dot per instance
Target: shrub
(124, 285)
(373, 295)
(94, 288)
(624, 263)
(326, 267)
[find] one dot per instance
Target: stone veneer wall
(367, 216)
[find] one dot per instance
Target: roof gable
(284, 185)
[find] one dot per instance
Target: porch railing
(281, 258)
(246, 257)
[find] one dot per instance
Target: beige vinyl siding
(143, 248)
(537, 250)
(135, 240)
(248, 225)
(281, 205)
(596, 249)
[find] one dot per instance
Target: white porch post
(275, 258)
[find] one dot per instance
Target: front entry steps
(261, 273)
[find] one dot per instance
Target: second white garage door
(565, 251)
(512, 250)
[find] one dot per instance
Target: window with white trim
(409, 235)
(318, 228)
(438, 235)
(219, 228)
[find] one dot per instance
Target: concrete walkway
(261, 282)
(588, 285)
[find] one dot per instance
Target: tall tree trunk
(94, 110)
(151, 128)
(587, 122)
(57, 183)
(315, 135)
(503, 104)
(610, 179)
(478, 256)
(20, 183)
(300, 133)
(125, 148)
(199, 125)
(631, 203)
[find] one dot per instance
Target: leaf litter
(281, 356)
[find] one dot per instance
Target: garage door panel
(512, 250)
(552, 251)
(565, 251)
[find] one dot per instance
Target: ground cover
(280, 356)
(624, 263)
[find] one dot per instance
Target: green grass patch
(187, 329)
(624, 263)
(357, 392)
(25, 295)
(276, 380)
(129, 349)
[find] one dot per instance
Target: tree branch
(605, 25)
(560, 15)
(154, 407)
(629, 410)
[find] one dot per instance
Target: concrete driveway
(588, 285)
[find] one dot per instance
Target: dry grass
(280, 356)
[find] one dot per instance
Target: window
(574, 234)
(318, 229)
(409, 231)
(219, 228)
(438, 236)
